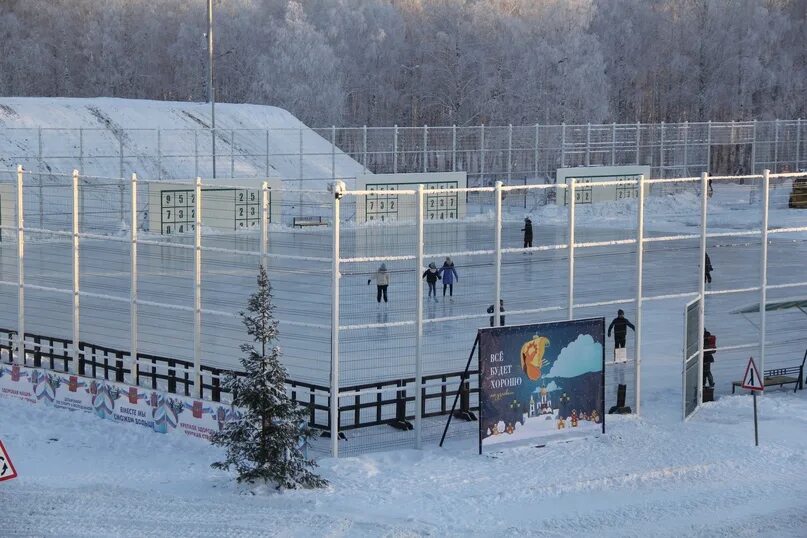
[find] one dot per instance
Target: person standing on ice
(432, 275)
(527, 229)
(620, 326)
(449, 274)
(381, 281)
(492, 309)
(709, 345)
(707, 274)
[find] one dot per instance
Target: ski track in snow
(643, 478)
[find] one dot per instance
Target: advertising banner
(692, 359)
(541, 382)
(153, 409)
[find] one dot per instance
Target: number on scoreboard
(441, 206)
(247, 208)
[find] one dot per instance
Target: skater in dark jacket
(708, 269)
(527, 229)
(449, 275)
(709, 343)
(432, 275)
(501, 309)
(620, 326)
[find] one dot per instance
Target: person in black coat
(620, 326)
(708, 358)
(432, 275)
(708, 269)
(527, 229)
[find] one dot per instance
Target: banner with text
(541, 382)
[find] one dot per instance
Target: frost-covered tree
(264, 443)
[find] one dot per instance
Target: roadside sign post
(753, 382)
(7, 471)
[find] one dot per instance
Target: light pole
(211, 94)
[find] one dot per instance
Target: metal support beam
(197, 294)
(419, 323)
(338, 189)
(265, 219)
(133, 284)
(639, 288)
(76, 305)
(19, 356)
(570, 196)
(702, 281)
(763, 269)
(425, 149)
(498, 238)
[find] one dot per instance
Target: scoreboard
(172, 206)
(586, 178)
(385, 204)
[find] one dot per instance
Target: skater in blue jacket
(449, 275)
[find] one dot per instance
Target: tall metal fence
(86, 292)
(522, 154)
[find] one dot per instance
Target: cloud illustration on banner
(582, 356)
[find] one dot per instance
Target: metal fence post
(702, 281)
(232, 153)
(510, 154)
(763, 269)
(535, 153)
(195, 153)
(425, 148)
(333, 152)
(133, 284)
(686, 148)
(81, 148)
(41, 187)
(20, 355)
(708, 145)
(639, 285)
(395, 149)
(563, 145)
(661, 152)
(454, 148)
(265, 225)
(482, 155)
(613, 143)
(419, 328)
(76, 304)
(120, 156)
(338, 189)
(266, 172)
(588, 144)
(754, 147)
(497, 313)
(638, 142)
(775, 146)
(300, 172)
(570, 194)
(197, 294)
(364, 146)
(798, 145)
(159, 154)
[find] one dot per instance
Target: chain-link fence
(142, 282)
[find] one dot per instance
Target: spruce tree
(263, 444)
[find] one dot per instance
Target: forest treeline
(415, 62)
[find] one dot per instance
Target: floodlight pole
(211, 93)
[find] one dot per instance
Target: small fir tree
(264, 443)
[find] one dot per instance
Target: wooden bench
(781, 376)
(299, 222)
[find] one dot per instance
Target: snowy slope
(110, 123)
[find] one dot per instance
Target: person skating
(449, 275)
(708, 269)
(709, 345)
(381, 278)
(501, 310)
(527, 229)
(620, 326)
(432, 275)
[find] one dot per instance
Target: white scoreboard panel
(8, 211)
(586, 179)
(385, 204)
(172, 206)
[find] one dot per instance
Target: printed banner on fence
(153, 409)
(541, 382)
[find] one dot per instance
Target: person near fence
(709, 346)
(527, 229)
(491, 310)
(449, 274)
(708, 269)
(620, 326)
(432, 275)
(381, 282)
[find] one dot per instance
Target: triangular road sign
(752, 380)
(7, 471)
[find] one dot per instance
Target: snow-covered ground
(648, 476)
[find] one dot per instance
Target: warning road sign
(752, 380)
(7, 471)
